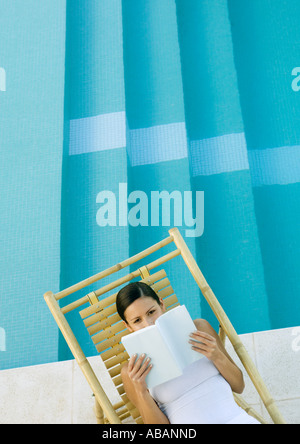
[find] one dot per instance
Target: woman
(203, 394)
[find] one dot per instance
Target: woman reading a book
(203, 394)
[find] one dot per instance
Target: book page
(149, 341)
(175, 326)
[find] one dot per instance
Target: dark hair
(127, 295)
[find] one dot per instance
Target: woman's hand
(205, 344)
(137, 370)
(134, 374)
(206, 341)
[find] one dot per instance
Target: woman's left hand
(206, 341)
(205, 344)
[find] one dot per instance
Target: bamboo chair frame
(107, 332)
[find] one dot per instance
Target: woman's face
(142, 313)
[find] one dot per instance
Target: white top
(200, 396)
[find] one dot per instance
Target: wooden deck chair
(106, 329)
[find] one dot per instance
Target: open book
(166, 343)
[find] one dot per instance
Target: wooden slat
(118, 405)
(102, 324)
(125, 415)
(122, 411)
(117, 380)
(159, 285)
(109, 300)
(121, 390)
(170, 301)
(118, 359)
(92, 309)
(110, 342)
(173, 306)
(135, 413)
(100, 316)
(155, 277)
(103, 314)
(111, 352)
(108, 332)
(165, 292)
(115, 371)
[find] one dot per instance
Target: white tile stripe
(157, 144)
(275, 166)
(219, 155)
(161, 143)
(99, 133)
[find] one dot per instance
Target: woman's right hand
(137, 370)
(134, 374)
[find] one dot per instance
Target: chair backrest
(107, 329)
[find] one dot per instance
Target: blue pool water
(181, 96)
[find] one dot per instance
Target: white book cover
(166, 343)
